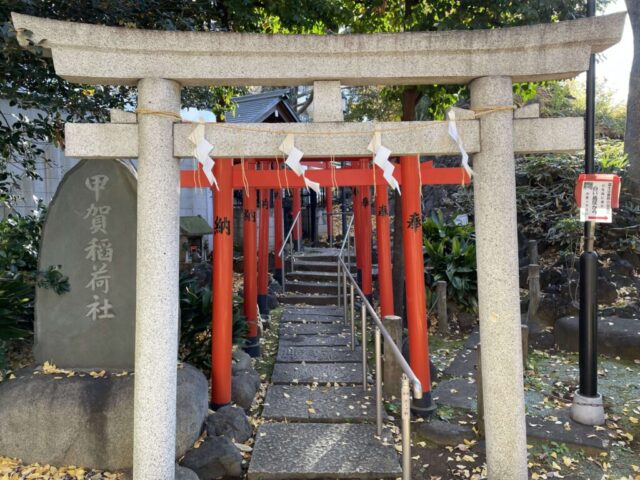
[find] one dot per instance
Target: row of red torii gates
(264, 175)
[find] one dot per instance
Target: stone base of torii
(159, 63)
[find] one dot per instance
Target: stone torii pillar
(496, 225)
(157, 291)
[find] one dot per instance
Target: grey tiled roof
(256, 108)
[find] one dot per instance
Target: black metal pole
(588, 356)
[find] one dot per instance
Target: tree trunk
(632, 131)
(409, 100)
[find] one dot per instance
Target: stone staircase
(314, 281)
(319, 421)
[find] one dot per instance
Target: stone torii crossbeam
(160, 63)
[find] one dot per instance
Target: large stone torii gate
(160, 63)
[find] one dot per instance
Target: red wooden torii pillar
(328, 199)
(383, 243)
(263, 248)
(278, 227)
(357, 232)
(222, 291)
(297, 231)
(364, 207)
(250, 254)
(409, 176)
(414, 279)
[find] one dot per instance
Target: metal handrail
(346, 237)
(345, 242)
(417, 385)
(408, 376)
(284, 242)
(288, 238)
(329, 218)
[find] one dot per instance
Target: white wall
(51, 174)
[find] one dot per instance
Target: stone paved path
(458, 389)
(319, 421)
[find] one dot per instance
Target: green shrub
(451, 256)
(547, 209)
(19, 273)
(195, 319)
(610, 157)
(16, 308)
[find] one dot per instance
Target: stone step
(320, 257)
(328, 288)
(305, 276)
(322, 373)
(328, 251)
(342, 339)
(457, 392)
(293, 354)
(464, 364)
(302, 403)
(318, 266)
(328, 310)
(310, 318)
(294, 299)
(312, 329)
(617, 336)
(321, 450)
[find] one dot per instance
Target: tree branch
(303, 108)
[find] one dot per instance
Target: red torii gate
(411, 175)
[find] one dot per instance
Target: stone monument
(90, 231)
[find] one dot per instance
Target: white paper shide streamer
(294, 155)
(201, 150)
(453, 133)
(381, 159)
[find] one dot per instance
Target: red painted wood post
(278, 233)
(383, 243)
(250, 252)
(414, 279)
(328, 198)
(365, 228)
(297, 231)
(263, 250)
(357, 233)
(222, 318)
